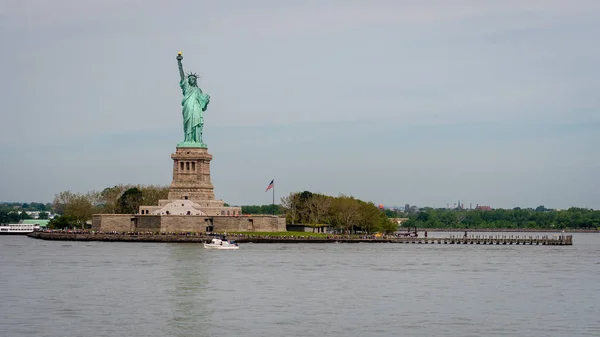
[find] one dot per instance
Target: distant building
(399, 221)
(36, 214)
(483, 208)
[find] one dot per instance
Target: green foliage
(109, 200)
(151, 194)
(63, 222)
(345, 213)
(262, 209)
(130, 201)
(13, 216)
(78, 208)
(393, 213)
(19, 206)
(516, 218)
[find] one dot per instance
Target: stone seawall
(118, 237)
(564, 240)
(186, 223)
(187, 238)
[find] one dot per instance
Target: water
(151, 289)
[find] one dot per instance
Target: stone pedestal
(191, 205)
(191, 175)
(191, 192)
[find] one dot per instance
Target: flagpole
(273, 196)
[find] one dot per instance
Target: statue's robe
(194, 102)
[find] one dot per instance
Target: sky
(425, 102)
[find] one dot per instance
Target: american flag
(271, 185)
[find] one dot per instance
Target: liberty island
(190, 205)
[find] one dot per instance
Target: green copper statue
(194, 102)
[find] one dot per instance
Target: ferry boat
(217, 243)
(18, 229)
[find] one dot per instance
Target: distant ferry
(18, 228)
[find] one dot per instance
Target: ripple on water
(270, 290)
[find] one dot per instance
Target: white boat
(224, 244)
(18, 229)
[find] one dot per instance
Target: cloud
(406, 62)
(345, 16)
(22, 15)
(84, 80)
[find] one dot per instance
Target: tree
(449, 219)
(78, 207)
(62, 222)
(109, 199)
(79, 210)
(423, 216)
(386, 225)
(13, 217)
(261, 209)
(304, 196)
(318, 206)
(24, 216)
(291, 205)
(43, 216)
(345, 213)
(391, 213)
(61, 201)
(370, 217)
(130, 201)
(153, 193)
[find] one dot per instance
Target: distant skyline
(419, 102)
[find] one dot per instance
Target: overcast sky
(421, 102)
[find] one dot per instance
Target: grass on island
(305, 234)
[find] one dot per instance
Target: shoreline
(119, 237)
(195, 238)
(506, 230)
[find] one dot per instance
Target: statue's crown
(193, 75)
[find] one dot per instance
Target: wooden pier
(544, 240)
(562, 240)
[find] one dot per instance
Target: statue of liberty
(194, 102)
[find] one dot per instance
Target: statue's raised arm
(181, 74)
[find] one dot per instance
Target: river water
(50, 288)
